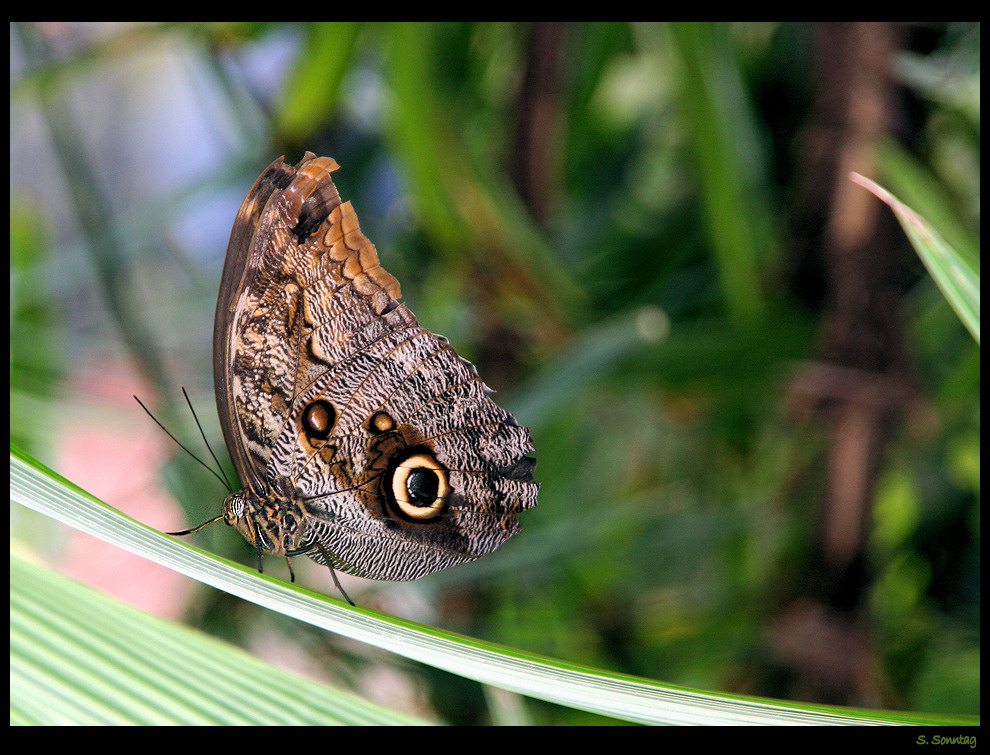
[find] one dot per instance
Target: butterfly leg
(258, 540)
(333, 572)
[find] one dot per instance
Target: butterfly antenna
(333, 572)
(223, 480)
(206, 442)
(197, 528)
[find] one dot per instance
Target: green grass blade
(959, 283)
(66, 668)
(721, 131)
(620, 696)
(311, 91)
(916, 185)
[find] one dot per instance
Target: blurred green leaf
(66, 668)
(310, 96)
(464, 205)
(723, 136)
(917, 188)
(959, 282)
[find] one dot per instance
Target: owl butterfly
(360, 439)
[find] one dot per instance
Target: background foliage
(757, 420)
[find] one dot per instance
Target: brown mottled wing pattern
(331, 394)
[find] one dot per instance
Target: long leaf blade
(67, 668)
(617, 695)
(959, 283)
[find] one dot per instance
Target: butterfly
(360, 439)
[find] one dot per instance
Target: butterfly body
(360, 438)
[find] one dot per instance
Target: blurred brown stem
(861, 382)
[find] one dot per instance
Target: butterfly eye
(420, 487)
(233, 508)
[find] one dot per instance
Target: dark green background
(626, 227)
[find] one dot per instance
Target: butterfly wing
(250, 405)
(328, 387)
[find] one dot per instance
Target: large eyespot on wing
(417, 486)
